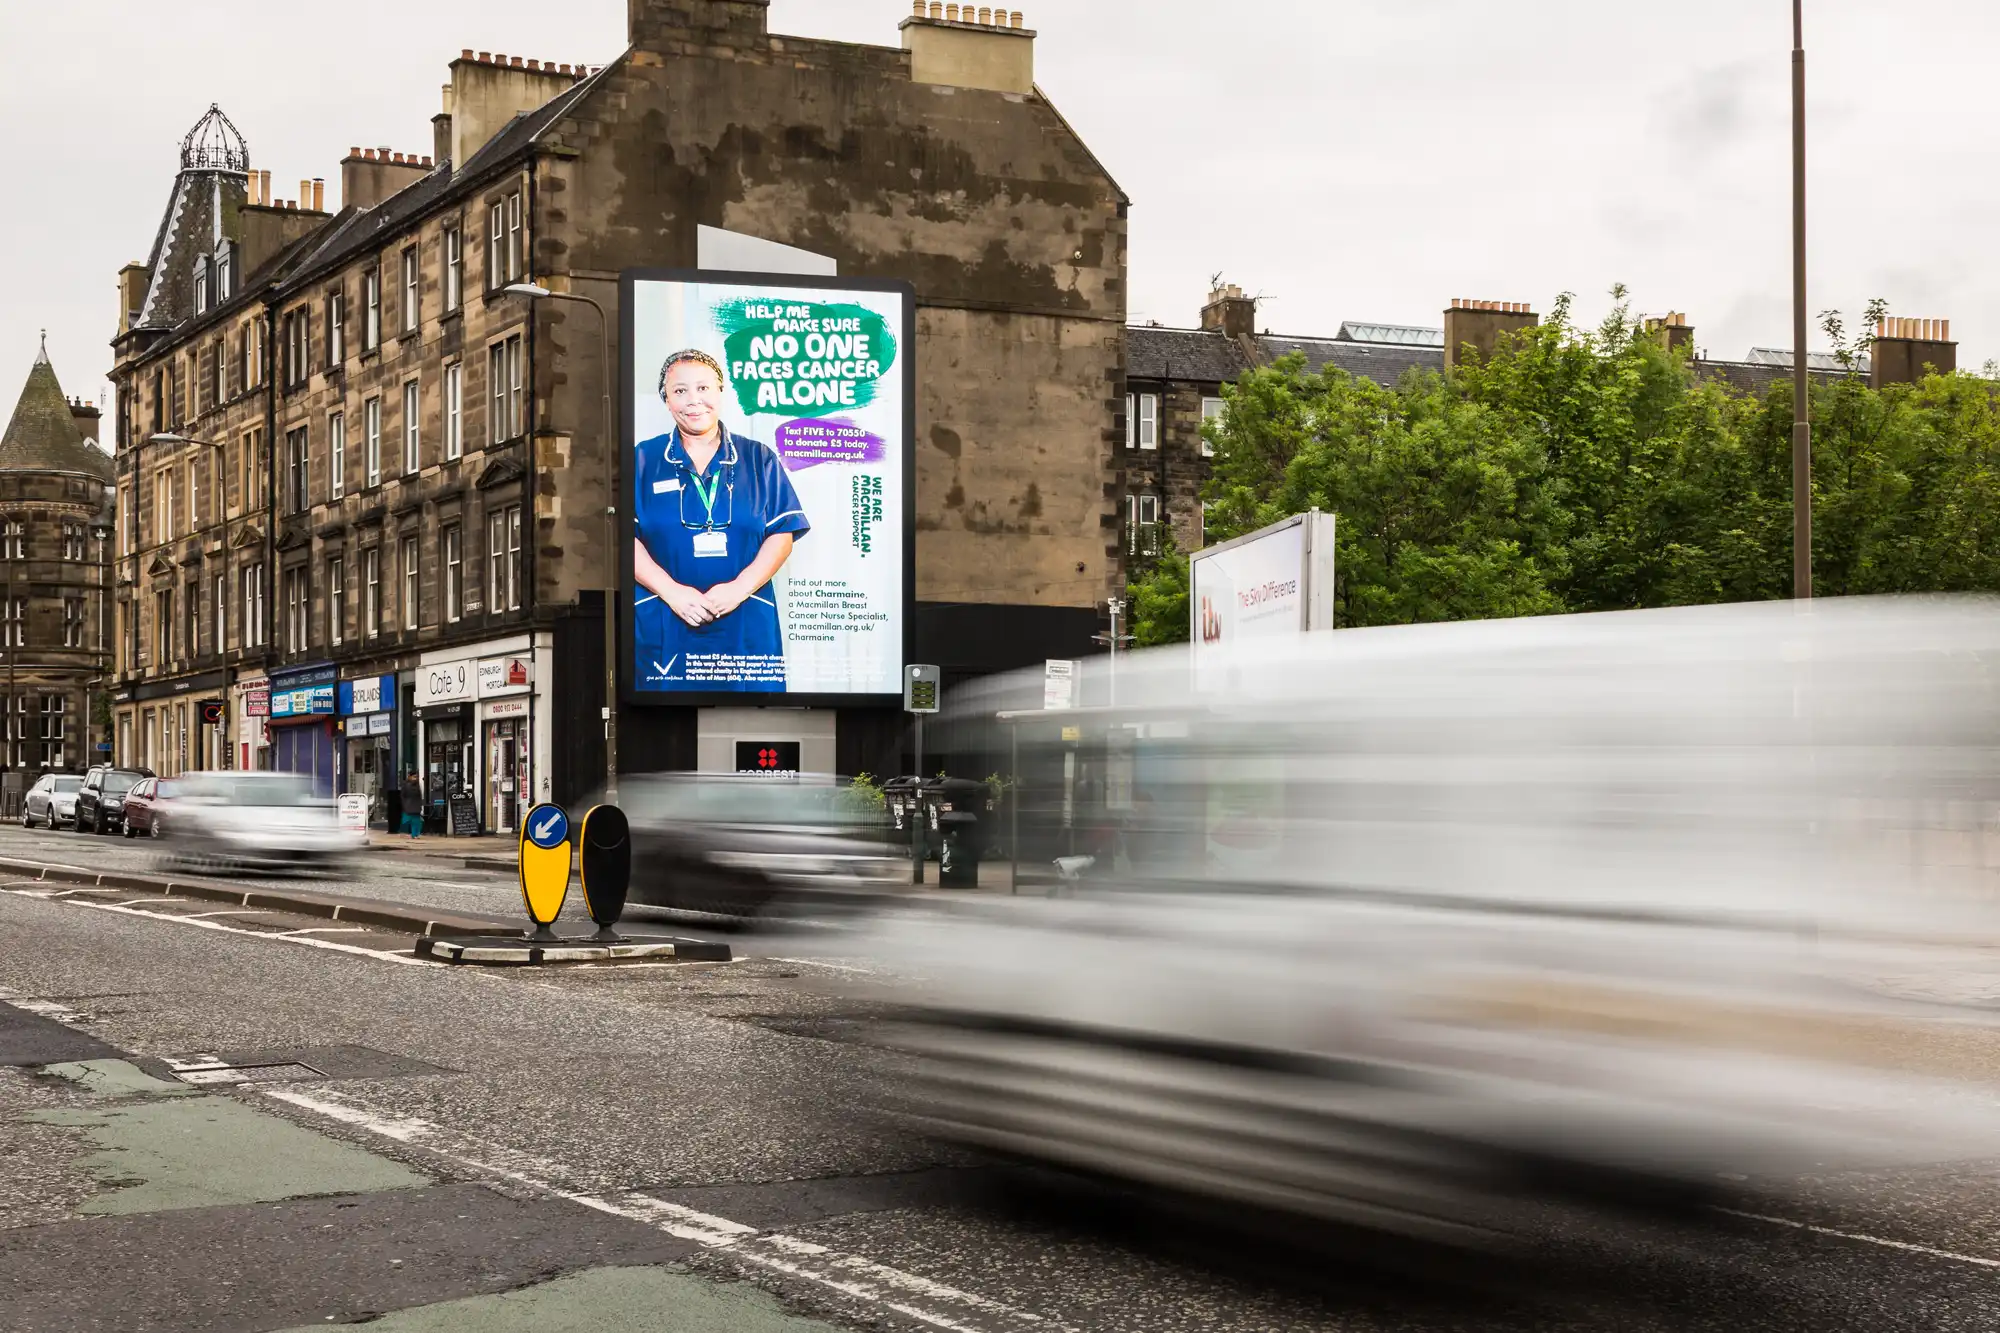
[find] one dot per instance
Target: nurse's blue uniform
(703, 530)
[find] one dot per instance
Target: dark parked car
(100, 802)
(143, 806)
(751, 849)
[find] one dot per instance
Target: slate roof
(42, 436)
(1155, 353)
(353, 231)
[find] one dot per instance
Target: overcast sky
(1347, 159)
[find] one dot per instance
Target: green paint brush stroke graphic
(804, 359)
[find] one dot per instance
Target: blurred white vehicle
(1403, 927)
(51, 802)
(253, 821)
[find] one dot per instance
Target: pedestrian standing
(413, 806)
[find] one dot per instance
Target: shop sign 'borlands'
(769, 481)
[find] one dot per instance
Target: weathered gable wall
(1013, 236)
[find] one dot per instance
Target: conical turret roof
(42, 436)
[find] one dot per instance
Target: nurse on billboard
(716, 518)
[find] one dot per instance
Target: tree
(1587, 470)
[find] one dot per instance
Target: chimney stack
(1908, 349)
(488, 90)
(370, 175)
(1481, 326)
(1672, 330)
(738, 23)
(1230, 312)
(85, 417)
(967, 46)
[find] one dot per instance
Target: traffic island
(492, 951)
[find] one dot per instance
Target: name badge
(711, 543)
(665, 487)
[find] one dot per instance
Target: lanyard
(707, 493)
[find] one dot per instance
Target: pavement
(259, 1121)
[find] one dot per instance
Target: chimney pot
(1944, 330)
(563, 69)
(319, 194)
(918, 9)
(937, 9)
(534, 64)
(1017, 18)
(986, 15)
(485, 57)
(951, 13)
(427, 161)
(499, 57)
(354, 152)
(515, 63)
(466, 54)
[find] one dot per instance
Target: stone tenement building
(1176, 377)
(55, 526)
(364, 487)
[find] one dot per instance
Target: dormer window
(201, 287)
(225, 272)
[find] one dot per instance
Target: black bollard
(605, 858)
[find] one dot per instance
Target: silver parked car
(51, 802)
(252, 821)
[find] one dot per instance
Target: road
(672, 1146)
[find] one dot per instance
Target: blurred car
(749, 848)
(253, 821)
(1424, 928)
(143, 806)
(51, 802)
(100, 801)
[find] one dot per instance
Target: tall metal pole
(1802, 515)
(613, 565)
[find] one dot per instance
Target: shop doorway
(445, 770)
(368, 773)
(506, 773)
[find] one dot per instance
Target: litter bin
(955, 809)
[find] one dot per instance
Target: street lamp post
(1802, 515)
(534, 291)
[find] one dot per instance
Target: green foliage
(1584, 470)
(861, 798)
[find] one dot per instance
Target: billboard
(1274, 583)
(769, 496)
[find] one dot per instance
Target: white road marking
(234, 911)
(1952, 1255)
(61, 1013)
(850, 1275)
(199, 923)
(323, 930)
(821, 962)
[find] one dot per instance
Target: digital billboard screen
(768, 486)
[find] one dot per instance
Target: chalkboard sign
(464, 816)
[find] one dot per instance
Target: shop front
(160, 723)
(250, 719)
(505, 686)
(482, 734)
(302, 724)
(367, 711)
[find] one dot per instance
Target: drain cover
(210, 1074)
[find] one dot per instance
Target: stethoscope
(717, 484)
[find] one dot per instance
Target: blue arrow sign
(548, 827)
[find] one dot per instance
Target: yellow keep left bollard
(545, 867)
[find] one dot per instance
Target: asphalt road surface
(216, 1122)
